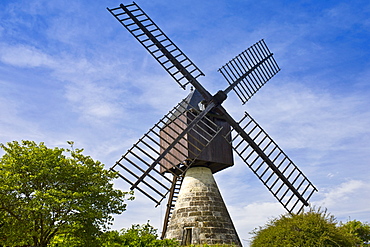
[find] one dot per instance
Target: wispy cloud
(347, 200)
(304, 117)
(25, 56)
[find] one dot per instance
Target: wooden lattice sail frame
(189, 134)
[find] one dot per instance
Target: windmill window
(202, 105)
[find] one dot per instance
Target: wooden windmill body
(199, 214)
(178, 155)
(217, 155)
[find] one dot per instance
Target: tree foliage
(44, 193)
(359, 229)
(312, 228)
(136, 236)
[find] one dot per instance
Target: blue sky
(70, 71)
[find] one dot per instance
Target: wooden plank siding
(218, 155)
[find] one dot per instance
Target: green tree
(136, 236)
(312, 228)
(359, 229)
(45, 193)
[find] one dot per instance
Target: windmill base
(200, 215)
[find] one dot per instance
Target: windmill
(197, 138)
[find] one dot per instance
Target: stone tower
(200, 215)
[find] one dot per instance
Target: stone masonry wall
(200, 215)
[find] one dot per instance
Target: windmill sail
(143, 165)
(250, 70)
(275, 170)
(156, 164)
(173, 60)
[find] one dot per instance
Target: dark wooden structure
(217, 155)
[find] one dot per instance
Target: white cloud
(347, 193)
(92, 101)
(346, 201)
(89, 85)
(13, 125)
(24, 56)
(300, 117)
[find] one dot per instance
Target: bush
(313, 228)
(136, 236)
